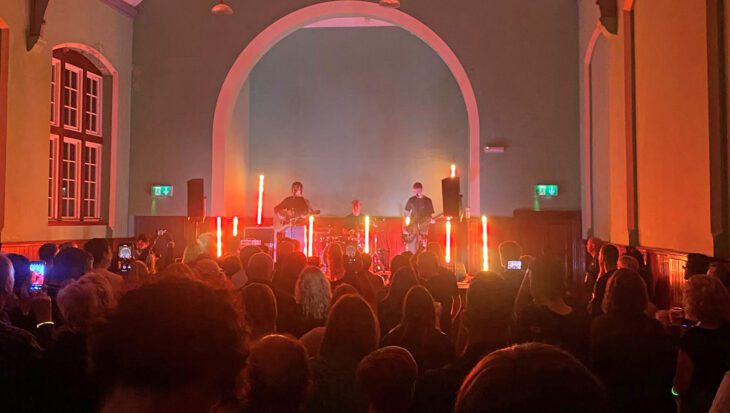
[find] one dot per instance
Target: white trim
(55, 91)
(53, 178)
(79, 95)
(93, 77)
(77, 179)
(97, 182)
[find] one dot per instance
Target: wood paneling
(29, 249)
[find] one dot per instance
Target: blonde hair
(313, 293)
(705, 299)
(80, 304)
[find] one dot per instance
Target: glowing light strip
(453, 170)
(447, 256)
(219, 238)
(304, 251)
(366, 249)
(259, 215)
(310, 243)
(408, 221)
(485, 248)
(235, 226)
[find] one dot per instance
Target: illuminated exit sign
(546, 190)
(162, 191)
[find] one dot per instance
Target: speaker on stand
(196, 202)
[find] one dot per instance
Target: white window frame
(53, 178)
(79, 95)
(96, 130)
(56, 86)
(78, 195)
(97, 181)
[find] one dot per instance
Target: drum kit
(379, 249)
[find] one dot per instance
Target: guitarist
(293, 210)
(420, 208)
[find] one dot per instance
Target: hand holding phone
(514, 265)
(37, 277)
(126, 258)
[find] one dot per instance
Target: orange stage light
(259, 215)
(219, 238)
(235, 226)
(453, 170)
(485, 247)
(447, 256)
(366, 248)
(408, 221)
(310, 243)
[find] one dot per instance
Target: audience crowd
(250, 332)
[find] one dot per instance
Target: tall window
(76, 143)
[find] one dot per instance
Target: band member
(292, 212)
(353, 220)
(420, 208)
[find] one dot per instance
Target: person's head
(277, 375)
(189, 335)
(101, 251)
(488, 307)
(313, 293)
(527, 260)
(398, 262)
(210, 273)
(530, 378)
(191, 253)
(21, 267)
(720, 271)
(80, 305)
(353, 263)
(705, 299)
(367, 261)
(435, 249)
(142, 242)
(178, 269)
(334, 259)
(47, 252)
(207, 241)
(105, 293)
(245, 254)
(593, 246)
(427, 265)
(608, 257)
(509, 251)
(284, 248)
(343, 290)
(297, 188)
(7, 280)
(625, 294)
(400, 283)
(356, 207)
(260, 267)
(259, 309)
(418, 308)
(291, 266)
(388, 376)
(351, 331)
(628, 262)
(67, 244)
(418, 189)
(70, 263)
(230, 264)
(547, 280)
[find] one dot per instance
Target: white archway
(265, 40)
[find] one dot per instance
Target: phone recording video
(125, 257)
(514, 265)
(37, 276)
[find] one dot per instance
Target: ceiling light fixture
(393, 4)
(222, 9)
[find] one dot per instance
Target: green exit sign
(162, 191)
(546, 190)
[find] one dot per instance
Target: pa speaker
(451, 196)
(196, 200)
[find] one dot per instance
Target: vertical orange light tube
(485, 247)
(259, 215)
(408, 221)
(235, 226)
(366, 248)
(304, 250)
(453, 170)
(310, 243)
(447, 256)
(219, 238)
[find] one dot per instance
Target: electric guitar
(287, 218)
(416, 227)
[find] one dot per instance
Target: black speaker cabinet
(196, 200)
(451, 196)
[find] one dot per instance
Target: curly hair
(314, 293)
(705, 299)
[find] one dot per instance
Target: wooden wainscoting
(29, 249)
(667, 270)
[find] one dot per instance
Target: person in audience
(721, 271)
(285, 277)
(593, 247)
(343, 290)
(351, 333)
(191, 253)
(70, 264)
(388, 376)
(313, 295)
(376, 281)
(704, 350)
(178, 269)
(259, 309)
(629, 351)
(398, 262)
(549, 319)
(67, 244)
(46, 253)
(511, 251)
(442, 287)
(18, 305)
(356, 278)
(230, 264)
(277, 376)
(628, 262)
(390, 310)
(102, 253)
(485, 321)
(418, 334)
(284, 248)
(210, 273)
(334, 259)
(531, 377)
(721, 403)
(608, 261)
(185, 332)
(240, 278)
(260, 269)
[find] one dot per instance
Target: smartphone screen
(125, 257)
(514, 265)
(37, 276)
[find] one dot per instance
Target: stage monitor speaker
(450, 188)
(259, 236)
(196, 200)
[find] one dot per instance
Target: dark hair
(625, 293)
(351, 331)
(427, 260)
(367, 261)
(388, 376)
(47, 252)
(21, 267)
(419, 317)
(547, 278)
(297, 184)
(343, 290)
(143, 237)
(398, 262)
(290, 267)
(400, 283)
(721, 271)
(418, 185)
(530, 378)
(70, 263)
(182, 330)
(98, 248)
(489, 301)
(259, 309)
(610, 254)
(230, 264)
(245, 254)
(277, 375)
(509, 251)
